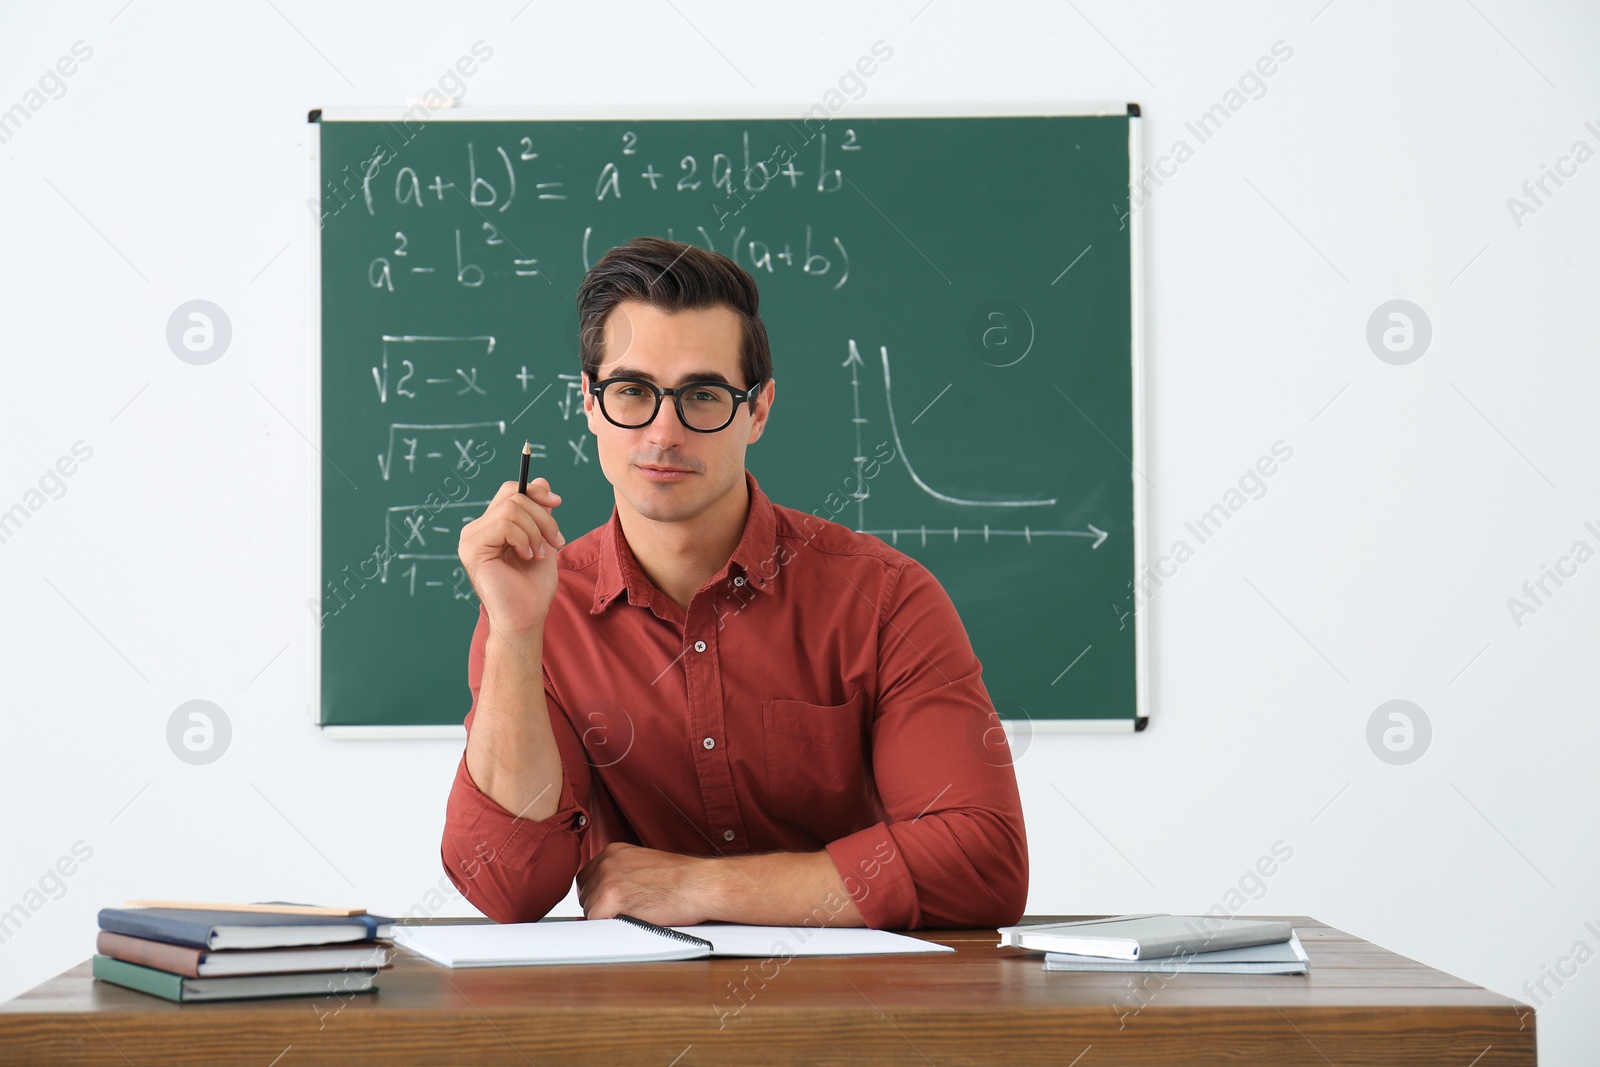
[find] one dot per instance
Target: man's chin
(665, 502)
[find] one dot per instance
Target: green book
(179, 988)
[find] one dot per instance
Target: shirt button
(709, 742)
(583, 820)
(699, 646)
(738, 581)
(727, 835)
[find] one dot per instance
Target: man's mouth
(664, 474)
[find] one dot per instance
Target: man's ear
(590, 414)
(758, 421)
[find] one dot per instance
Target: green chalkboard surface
(959, 292)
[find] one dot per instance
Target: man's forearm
(781, 889)
(511, 749)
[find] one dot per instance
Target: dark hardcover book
(243, 987)
(241, 929)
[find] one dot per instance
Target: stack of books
(1188, 944)
(190, 952)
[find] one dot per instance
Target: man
(714, 707)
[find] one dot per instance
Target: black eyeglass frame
(739, 397)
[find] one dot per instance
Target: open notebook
(629, 940)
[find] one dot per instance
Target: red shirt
(820, 692)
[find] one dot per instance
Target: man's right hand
(509, 554)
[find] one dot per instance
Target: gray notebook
(1285, 957)
(1145, 937)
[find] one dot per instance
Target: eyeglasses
(704, 407)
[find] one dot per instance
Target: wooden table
(979, 1005)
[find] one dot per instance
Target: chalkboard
(959, 291)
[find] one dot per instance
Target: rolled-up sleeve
(514, 869)
(953, 851)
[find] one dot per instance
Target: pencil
(527, 454)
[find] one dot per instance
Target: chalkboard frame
(456, 732)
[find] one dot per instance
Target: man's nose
(666, 426)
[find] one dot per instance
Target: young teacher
(715, 707)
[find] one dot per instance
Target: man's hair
(671, 276)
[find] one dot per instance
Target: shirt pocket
(818, 776)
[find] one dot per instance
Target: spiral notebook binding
(667, 931)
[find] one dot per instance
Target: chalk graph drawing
(861, 493)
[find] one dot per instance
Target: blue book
(242, 929)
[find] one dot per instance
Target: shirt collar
(753, 564)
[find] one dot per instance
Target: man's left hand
(659, 887)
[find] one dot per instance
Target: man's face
(668, 350)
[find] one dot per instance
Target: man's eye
(631, 391)
(704, 396)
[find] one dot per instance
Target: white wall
(1377, 165)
